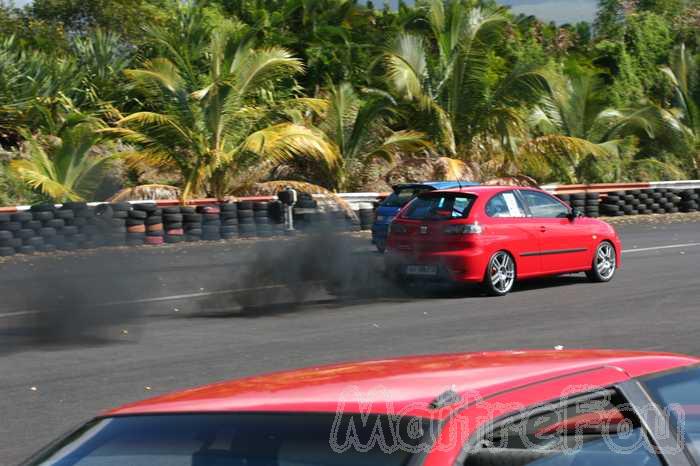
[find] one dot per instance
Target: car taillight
(463, 229)
(397, 228)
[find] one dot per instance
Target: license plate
(430, 270)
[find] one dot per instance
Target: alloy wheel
(502, 272)
(605, 261)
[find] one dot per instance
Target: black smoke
(69, 300)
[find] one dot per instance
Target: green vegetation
(218, 96)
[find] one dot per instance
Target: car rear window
(403, 196)
(241, 439)
(439, 206)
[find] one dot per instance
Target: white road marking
(192, 295)
(656, 248)
(18, 313)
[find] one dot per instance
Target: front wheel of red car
(604, 263)
(500, 274)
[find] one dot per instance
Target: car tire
(604, 264)
(500, 274)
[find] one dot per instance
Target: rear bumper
(463, 266)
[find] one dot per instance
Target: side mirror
(574, 213)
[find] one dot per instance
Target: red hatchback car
(495, 235)
(509, 408)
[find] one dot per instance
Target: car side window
(587, 433)
(543, 205)
(505, 204)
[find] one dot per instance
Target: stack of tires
(136, 225)
(93, 236)
(211, 222)
(278, 214)
(8, 242)
(690, 200)
(229, 221)
(25, 234)
(77, 227)
(366, 214)
(173, 225)
(246, 219)
(155, 232)
(305, 212)
(592, 205)
(647, 201)
(65, 238)
(191, 223)
(588, 202)
(116, 228)
(617, 204)
(644, 202)
(261, 216)
(666, 199)
(41, 215)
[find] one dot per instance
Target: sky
(560, 11)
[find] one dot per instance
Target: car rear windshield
(439, 206)
(402, 196)
(239, 439)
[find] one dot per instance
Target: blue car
(402, 194)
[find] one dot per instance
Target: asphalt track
(191, 333)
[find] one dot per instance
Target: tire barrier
(75, 225)
(588, 203)
(47, 228)
(635, 202)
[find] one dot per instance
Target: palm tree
(102, 56)
(576, 131)
(683, 74)
(65, 167)
(357, 132)
(208, 133)
(458, 104)
(32, 86)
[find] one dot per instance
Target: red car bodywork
(539, 246)
(505, 380)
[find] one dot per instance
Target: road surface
(191, 334)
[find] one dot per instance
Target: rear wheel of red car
(604, 263)
(500, 274)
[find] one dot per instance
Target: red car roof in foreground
(392, 385)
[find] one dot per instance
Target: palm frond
(288, 141)
(160, 72)
(407, 67)
(257, 67)
(400, 142)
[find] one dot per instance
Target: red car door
(507, 227)
(564, 244)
